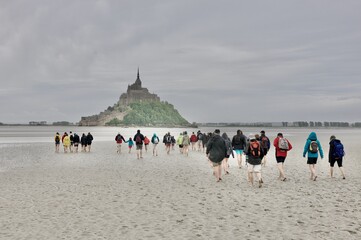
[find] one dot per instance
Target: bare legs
(155, 151)
(341, 170)
(312, 171)
(218, 172)
(225, 166)
(280, 167)
(239, 160)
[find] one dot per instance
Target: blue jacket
(312, 137)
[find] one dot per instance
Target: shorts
(280, 159)
(215, 164)
(254, 168)
(139, 146)
(76, 144)
(180, 146)
(333, 160)
(238, 151)
(312, 160)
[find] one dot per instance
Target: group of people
(255, 147)
(138, 140)
(72, 141)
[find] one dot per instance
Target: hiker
(216, 152)
(180, 142)
(282, 146)
(139, 138)
(167, 140)
(312, 148)
(336, 154)
(239, 142)
(89, 139)
(200, 141)
(265, 145)
(130, 144)
(57, 142)
(71, 137)
(146, 143)
(66, 142)
(193, 140)
(76, 141)
(119, 139)
(228, 153)
(84, 142)
(254, 153)
(155, 141)
(186, 142)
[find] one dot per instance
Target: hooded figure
(311, 140)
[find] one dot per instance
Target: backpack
(264, 142)
(313, 147)
(200, 136)
(168, 139)
(255, 148)
(237, 140)
(138, 140)
(338, 151)
(119, 139)
(155, 140)
(57, 138)
(283, 144)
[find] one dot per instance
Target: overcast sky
(215, 61)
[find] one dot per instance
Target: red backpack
(255, 148)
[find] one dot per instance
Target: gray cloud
(213, 60)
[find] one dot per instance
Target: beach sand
(105, 195)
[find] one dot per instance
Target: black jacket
(216, 148)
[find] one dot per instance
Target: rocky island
(137, 107)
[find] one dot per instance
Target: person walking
(282, 146)
(186, 142)
(139, 138)
(228, 154)
(239, 142)
(265, 145)
(76, 141)
(84, 142)
(155, 141)
(146, 143)
(180, 142)
(200, 140)
(254, 153)
(130, 144)
(66, 142)
(193, 140)
(216, 152)
(89, 139)
(57, 142)
(312, 148)
(119, 139)
(336, 154)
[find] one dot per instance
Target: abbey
(135, 94)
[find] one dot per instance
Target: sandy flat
(105, 195)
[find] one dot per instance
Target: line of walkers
(255, 147)
(72, 141)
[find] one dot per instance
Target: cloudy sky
(215, 61)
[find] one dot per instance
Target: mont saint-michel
(137, 107)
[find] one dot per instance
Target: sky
(215, 61)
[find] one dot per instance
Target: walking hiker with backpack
(336, 154)
(282, 146)
(119, 139)
(265, 145)
(57, 142)
(312, 148)
(239, 142)
(228, 153)
(155, 141)
(139, 138)
(216, 152)
(200, 140)
(254, 152)
(167, 140)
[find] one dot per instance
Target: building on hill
(135, 94)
